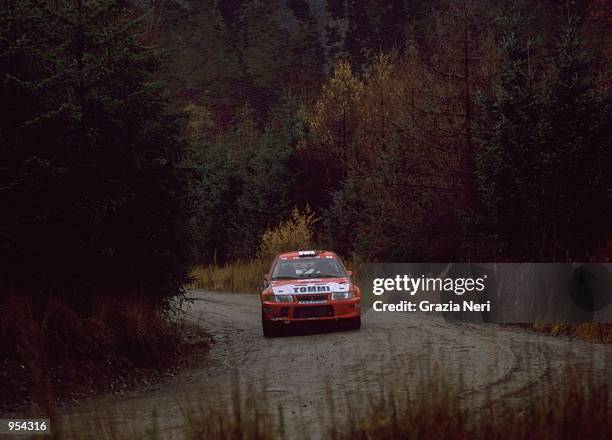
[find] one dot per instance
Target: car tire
(269, 328)
(353, 323)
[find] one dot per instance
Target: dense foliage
(385, 130)
(445, 130)
(546, 151)
(95, 192)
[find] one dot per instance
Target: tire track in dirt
(306, 374)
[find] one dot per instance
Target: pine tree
(300, 9)
(334, 30)
(307, 67)
(544, 163)
(392, 24)
(229, 10)
(336, 8)
(265, 199)
(93, 169)
(263, 53)
(275, 58)
(359, 41)
(576, 150)
(508, 147)
(202, 63)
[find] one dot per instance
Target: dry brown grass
(568, 406)
(224, 412)
(230, 416)
(587, 331)
(46, 345)
(295, 233)
(240, 276)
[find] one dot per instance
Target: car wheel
(269, 329)
(353, 323)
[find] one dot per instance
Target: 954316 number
(24, 426)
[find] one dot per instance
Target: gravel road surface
(307, 373)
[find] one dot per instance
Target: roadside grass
(247, 276)
(587, 331)
(222, 413)
(239, 276)
(568, 406)
(53, 350)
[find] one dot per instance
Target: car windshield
(294, 269)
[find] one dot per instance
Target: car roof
(296, 254)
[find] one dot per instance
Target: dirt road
(296, 372)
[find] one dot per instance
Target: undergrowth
(51, 349)
(587, 331)
(568, 406)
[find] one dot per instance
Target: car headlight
(280, 298)
(342, 295)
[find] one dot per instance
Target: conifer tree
(229, 10)
(576, 149)
(392, 24)
(359, 40)
(275, 57)
(300, 9)
(333, 129)
(336, 8)
(334, 30)
(544, 162)
(508, 146)
(94, 179)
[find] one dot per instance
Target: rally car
(308, 286)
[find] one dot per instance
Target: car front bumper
(328, 310)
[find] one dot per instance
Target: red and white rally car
(308, 286)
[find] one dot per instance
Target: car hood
(310, 286)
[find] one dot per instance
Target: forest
(448, 130)
(140, 138)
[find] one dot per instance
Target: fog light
(342, 295)
(281, 298)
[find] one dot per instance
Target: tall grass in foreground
(567, 406)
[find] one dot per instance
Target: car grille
(313, 312)
(311, 299)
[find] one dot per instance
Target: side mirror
(266, 282)
(350, 273)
